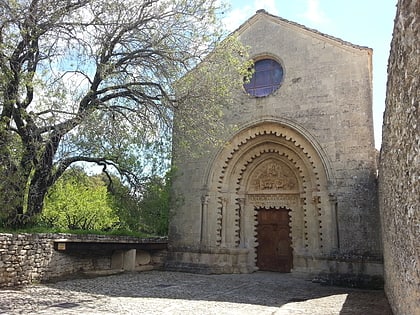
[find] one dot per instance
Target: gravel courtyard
(157, 292)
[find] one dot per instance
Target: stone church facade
(294, 187)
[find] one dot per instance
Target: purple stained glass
(266, 79)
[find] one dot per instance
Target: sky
(361, 22)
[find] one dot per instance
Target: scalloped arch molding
(285, 128)
(280, 152)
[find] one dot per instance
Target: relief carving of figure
(273, 176)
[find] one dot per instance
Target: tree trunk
(25, 183)
(38, 188)
(12, 194)
(42, 178)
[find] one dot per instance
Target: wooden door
(274, 251)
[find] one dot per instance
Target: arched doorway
(273, 167)
(274, 249)
(272, 210)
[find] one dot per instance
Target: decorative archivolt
(269, 164)
(245, 166)
(246, 153)
(268, 174)
(286, 133)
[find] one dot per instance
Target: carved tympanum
(273, 176)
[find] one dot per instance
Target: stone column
(224, 222)
(242, 233)
(204, 221)
(334, 222)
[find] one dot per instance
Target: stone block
(129, 263)
(117, 259)
(142, 258)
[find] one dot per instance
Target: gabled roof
(264, 14)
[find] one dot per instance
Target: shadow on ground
(281, 293)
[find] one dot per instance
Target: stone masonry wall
(326, 92)
(27, 258)
(399, 189)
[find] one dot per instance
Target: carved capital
(205, 199)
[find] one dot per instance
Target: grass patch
(40, 229)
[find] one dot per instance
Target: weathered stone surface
(31, 257)
(399, 173)
(307, 148)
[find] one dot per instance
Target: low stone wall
(27, 258)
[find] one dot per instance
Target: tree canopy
(93, 81)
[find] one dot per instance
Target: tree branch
(65, 163)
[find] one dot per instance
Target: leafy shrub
(81, 202)
(78, 201)
(154, 205)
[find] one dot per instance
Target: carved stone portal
(272, 176)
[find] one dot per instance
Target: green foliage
(93, 81)
(125, 205)
(154, 205)
(77, 201)
(205, 92)
(44, 229)
(147, 211)
(81, 202)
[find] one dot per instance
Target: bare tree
(92, 81)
